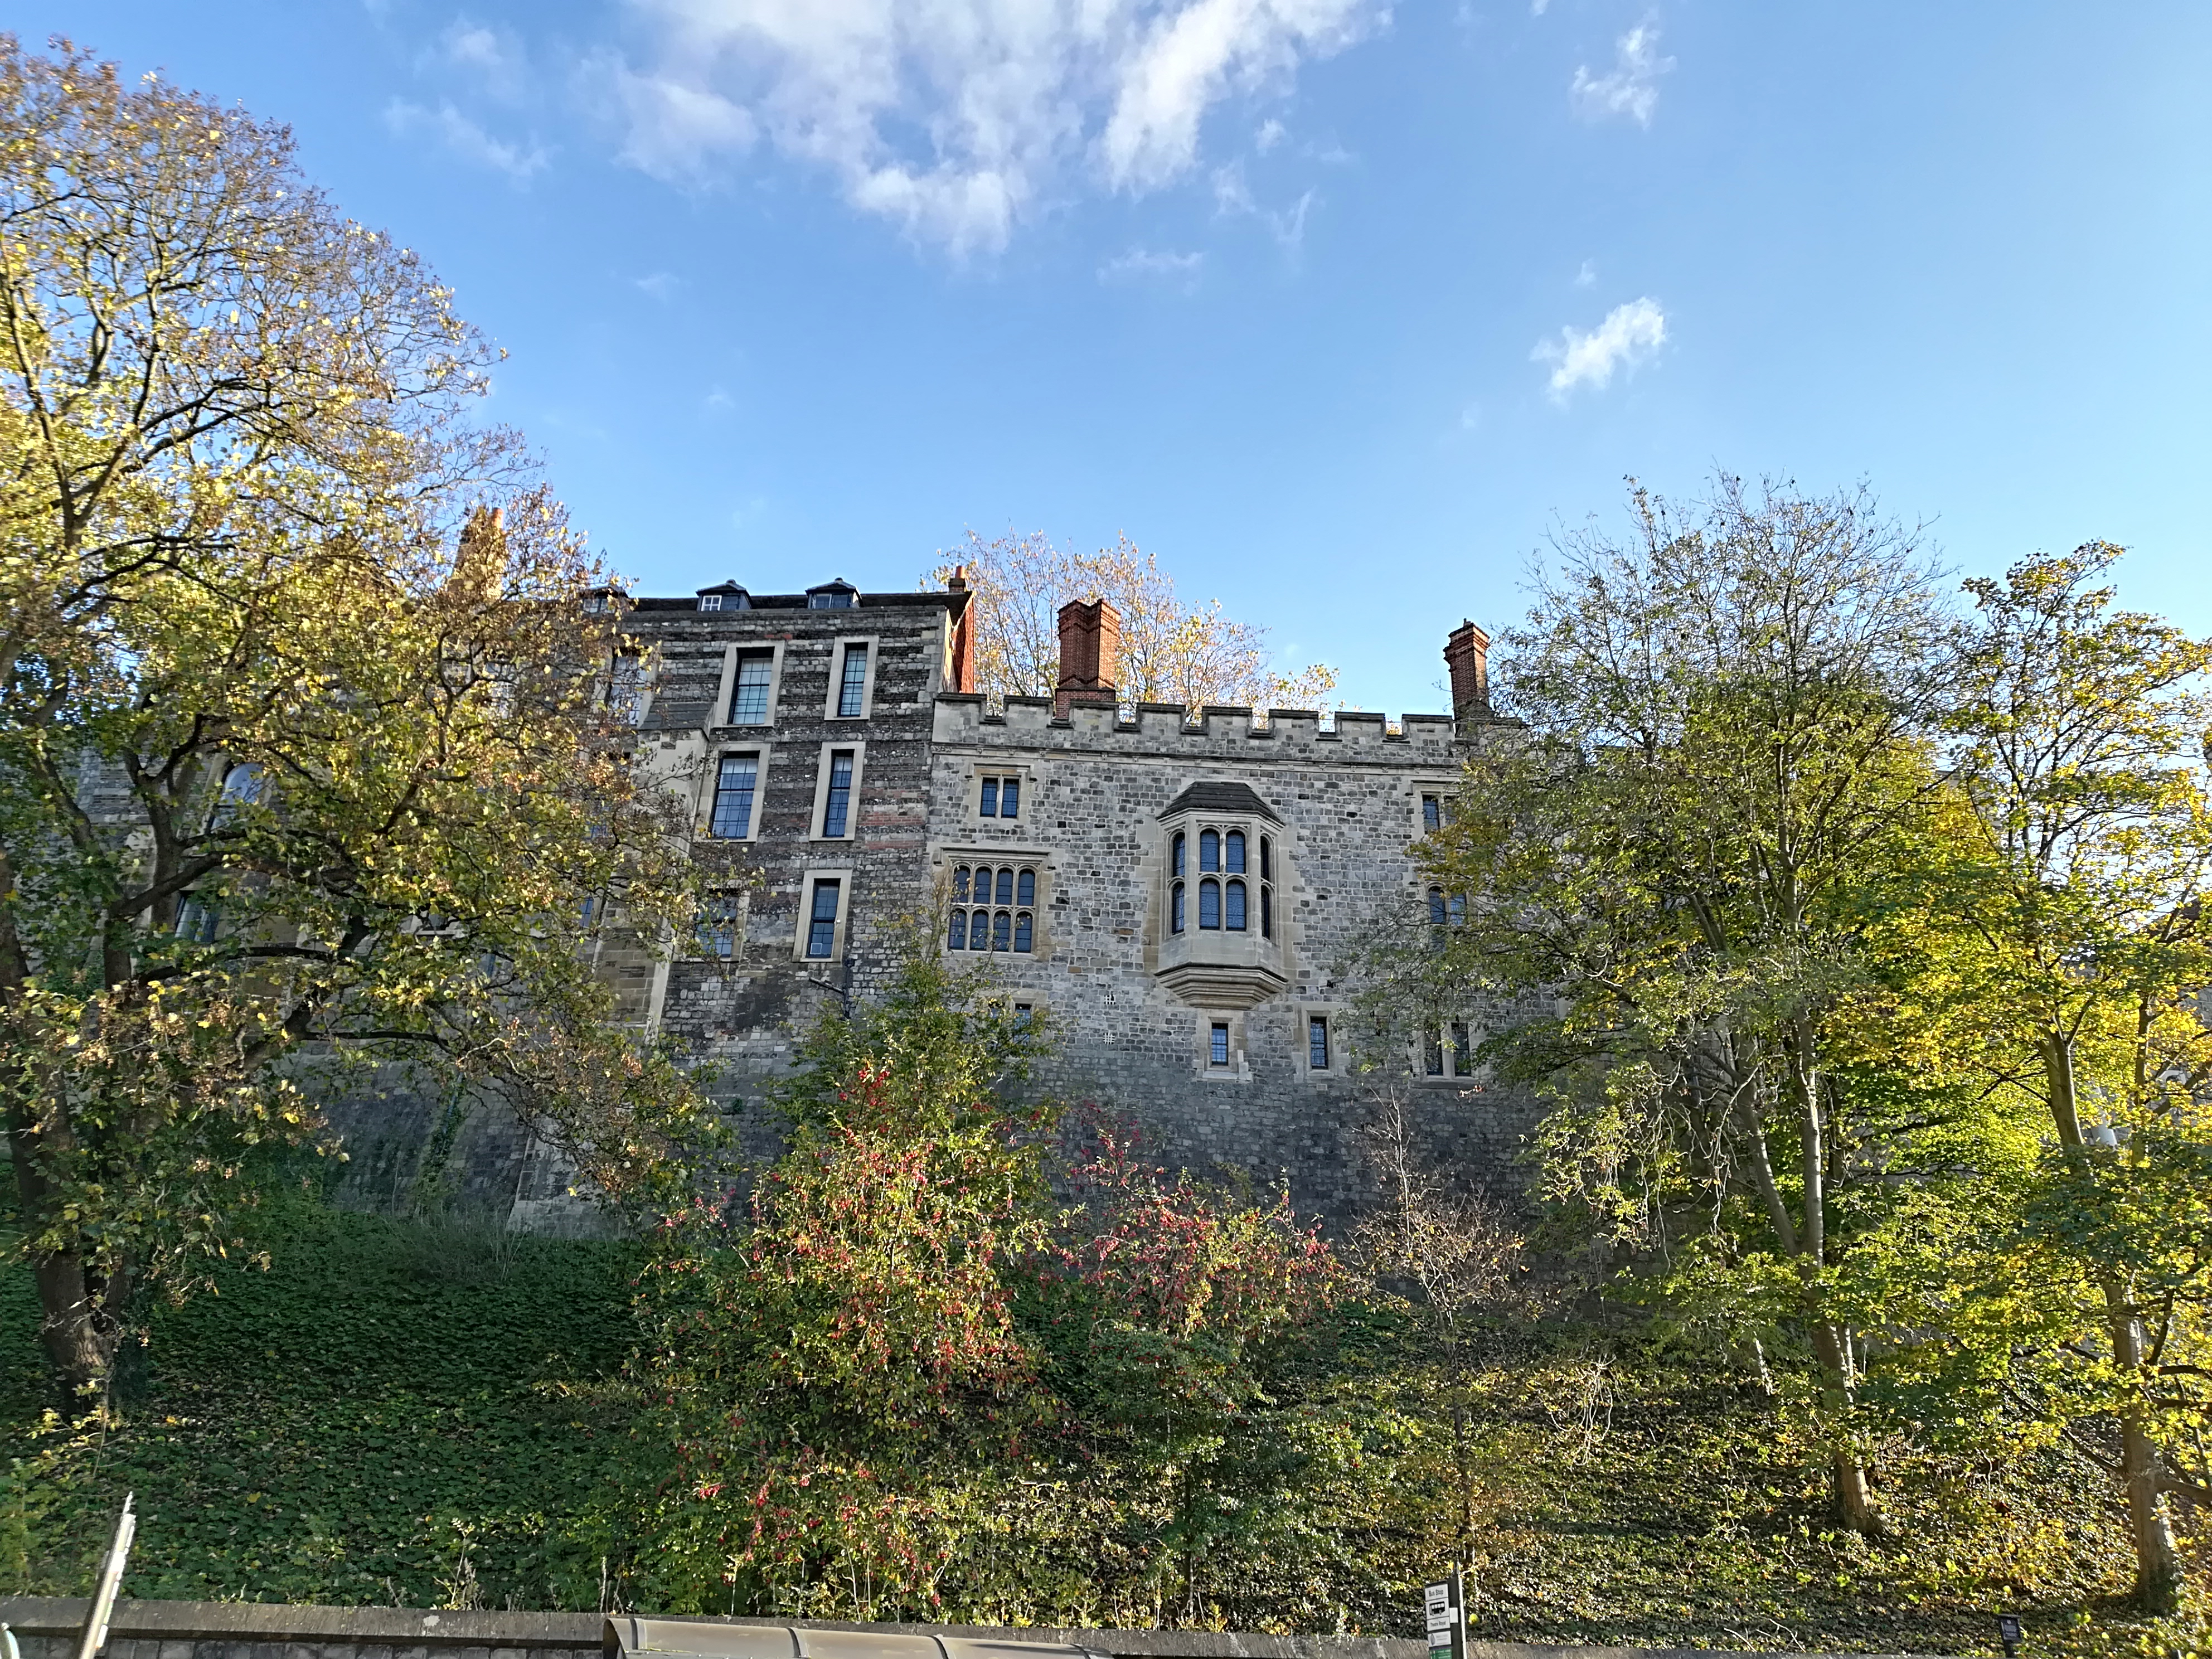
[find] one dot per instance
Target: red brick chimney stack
(1090, 646)
(962, 669)
(1466, 655)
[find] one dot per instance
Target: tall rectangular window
(837, 805)
(990, 808)
(1432, 1053)
(718, 926)
(748, 701)
(626, 689)
(1217, 1050)
(821, 919)
(1432, 812)
(1462, 1063)
(1317, 1043)
(733, 797)
(853, 688)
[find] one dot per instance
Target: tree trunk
(77, 1326)
(1854, 1494)
(2158, 1567)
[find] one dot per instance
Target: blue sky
(1339, 309)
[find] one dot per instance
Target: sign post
(2008, 1633)
(1445, 1605)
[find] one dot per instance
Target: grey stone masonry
(1203, 1033)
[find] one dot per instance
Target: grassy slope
(346, 1427)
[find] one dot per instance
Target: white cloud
(1139, 264)
(465, 138)
(957, 119)
(493, 58)
(1538, 8)
(1632, 87)
(1627, 338)
(1233, 196)
(1269, 135)
(660, 286)
(1587, 275)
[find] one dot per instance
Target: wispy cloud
(465, 138)
(660, 286)
(494, 59)
(1269, 135)
(1628, 337)
(957, 119)
(1632, 87)
(1587, 275)
(1139, 265)
(1232, 197)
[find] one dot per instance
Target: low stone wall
(47, 1628)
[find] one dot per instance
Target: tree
(2081, 754)
(1168, 653)
(304, 758)
(1718, 747)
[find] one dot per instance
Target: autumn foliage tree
(1171, 653)
(303, 759)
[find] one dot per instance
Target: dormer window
(724, 596)
(710, 601)
(839, 595)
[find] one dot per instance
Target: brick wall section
(46, 1628)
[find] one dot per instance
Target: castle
(1175, 891)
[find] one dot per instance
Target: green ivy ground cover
(429, 1415)
(348, 1427)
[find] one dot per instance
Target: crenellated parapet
(1214, 732)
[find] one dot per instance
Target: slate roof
(1236, 798)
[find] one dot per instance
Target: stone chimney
(961, 670)
(1467, 656)
(1090, 644)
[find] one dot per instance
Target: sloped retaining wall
(47, 1628)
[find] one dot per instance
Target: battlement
(1028, 723)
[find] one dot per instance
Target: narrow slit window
(1009, 797)
(821, 919)
(1175, 856)
(1266, 913)
(853, 688)
(1007, 886)
(748, 700)
(735, 784)
(1267, 860)
(955, 935)
(1432, 812)
(1234, 907)
(1232, 853)
(1024, 925)
(1175, 909)
(1025, 888)
(1463, 1045)
(1436, 906)
(960, 885)
(1209, 904)
(1217, 1044)
(837, 807)
(1209, 850)
(1317, 1043)
(1002, 927)
(1432, 1053)
(989, 808)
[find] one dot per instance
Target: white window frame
(1443, 788)
(761, 752)
(972, 803)
(725, 707)
(1239, 1068)
(842, 875)
(742, 925)
(837, 650)
(830, 746)
(1334, 1014)
(993, 857)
